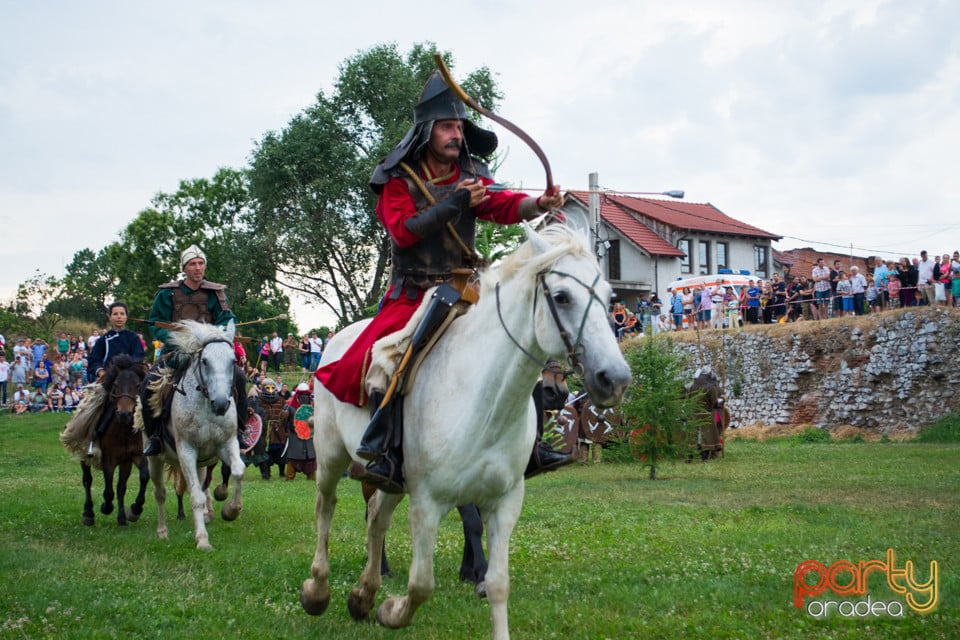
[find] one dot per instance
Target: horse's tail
(79, 430)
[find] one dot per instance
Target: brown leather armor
(278, 415)
(192, 305)
(433, 259)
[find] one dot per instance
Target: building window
(703, 257)
(722, 252)
(613, 260)
(684, 245)
(760, 261)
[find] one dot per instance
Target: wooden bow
(470, 102)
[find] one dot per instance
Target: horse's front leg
(106, 507)
(87, 516)
(379, 513)
(198, 502)
(230, 455)
(315, 590)
(122, 476)
(500, 523)
(424, 518)
(136, 509)
(159, 493)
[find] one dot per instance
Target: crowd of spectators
(829, 291)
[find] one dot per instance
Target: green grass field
(706, 551)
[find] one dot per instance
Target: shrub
(944, 430)
(812, 435)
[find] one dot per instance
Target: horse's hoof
(481, 589)
(106, 508)
(310, 605)
(132, 516)
(356, 608)
(87, 520)
(204, 546)
(220, 493)
(385, 613)
(230, 514)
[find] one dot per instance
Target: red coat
(344, 377)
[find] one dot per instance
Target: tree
(314, 209)
(33, 298)
(662, 415)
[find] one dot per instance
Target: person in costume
(301, 456)
(191, 298)
(114, 342)
(277, 424)
(432, 188)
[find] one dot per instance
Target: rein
(572, 347)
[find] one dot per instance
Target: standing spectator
(941, 274)
(656, 308)
(766, 301)
(845, 291)
(880, 273)
(811, 311)
(704, 313)
(873, 296)
(893, 290)
(753, 303)
(41, 377)
(92, 340)
(316, 350)
(643, 308)
(276, 352)
(716, 306)
(304, 349)
(925, 280)
(955, 278)
(687, 302)
(60, 372)
(618, 319)
(290, 353)
(908, 283)
(820, 276)
(859, 286)
(76, 369)
(4, 376)
(18, 371)
(779, 287)
(38, 351)
(836, 305)
(676, 308)
(63, 344)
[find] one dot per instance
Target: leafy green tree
(34, 297)
(314, 208)
(662, 415)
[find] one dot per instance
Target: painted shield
(254, 427)
(560, 428)
(598, 425)
(302, 422)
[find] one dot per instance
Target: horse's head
(570, 310)
(121, 380)
(213, 360)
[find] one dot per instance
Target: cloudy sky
(829, 123)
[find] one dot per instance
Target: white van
(736, 280)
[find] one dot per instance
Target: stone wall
(890, 372)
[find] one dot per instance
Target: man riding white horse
(432, 189)
(191, 298)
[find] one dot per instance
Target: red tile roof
(801, 261)
(630, 227)
(688, 215)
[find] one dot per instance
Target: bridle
(572, 346)
(198, 357)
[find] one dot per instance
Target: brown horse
(120, 447)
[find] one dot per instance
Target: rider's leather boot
(545, 458)
(153, 447)
(374, 440)
(384, 471)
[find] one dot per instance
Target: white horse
(203, 422)
(470, 420)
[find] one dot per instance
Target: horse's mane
(563, 240)
(195, 335)
(120, 363)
